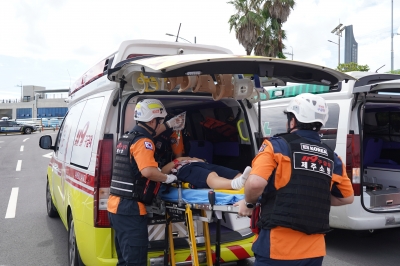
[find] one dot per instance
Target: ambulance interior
(215, 131)
(381, 161)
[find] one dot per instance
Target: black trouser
(131, 238)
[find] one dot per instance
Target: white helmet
(148, 109)
(309, 108)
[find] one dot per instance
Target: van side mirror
(45, 142)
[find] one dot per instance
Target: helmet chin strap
(289, 129)
(152, 130)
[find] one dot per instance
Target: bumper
(355, 217)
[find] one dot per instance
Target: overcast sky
(51, 43)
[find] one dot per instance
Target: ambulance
(209, 83)
(363, 129)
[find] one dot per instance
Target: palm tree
(267, 42)
(279, 11)
(247, 23)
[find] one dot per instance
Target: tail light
(103, 180)
(353, 162)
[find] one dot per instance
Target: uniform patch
(262, 148)
(158, 145)
(313, 148)
(148, 145)
(173, 140)
(314, 163)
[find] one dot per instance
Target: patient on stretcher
(200, 174)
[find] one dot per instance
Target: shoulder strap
(289, 137)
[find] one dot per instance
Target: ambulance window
(329, 132)
(273, 121)
(84, 135)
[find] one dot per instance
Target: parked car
(364, 130)
(8, 126)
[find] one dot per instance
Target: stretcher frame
(179, 211)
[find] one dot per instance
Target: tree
(258, 25)
(394, 71)
(279, 11)
(247, 23)
(352, 66)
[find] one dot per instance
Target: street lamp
(21, 90)
(393, 34)
(169, 34)
(290, 53)
(338, 31)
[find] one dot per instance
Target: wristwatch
(249, 205)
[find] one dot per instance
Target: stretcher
(190, 205)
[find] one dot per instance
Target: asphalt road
(29, 237)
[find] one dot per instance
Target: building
(36, 102)
(350, 46)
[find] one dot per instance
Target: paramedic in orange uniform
(296, 179)
(169, 145)
(134, 169)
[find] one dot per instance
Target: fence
(51, 123)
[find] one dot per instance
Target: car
(215, 88)
(364, 130)
(8, 126)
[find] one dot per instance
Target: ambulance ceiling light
(193, 73)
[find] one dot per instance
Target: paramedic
(200, 174)
(298, 179)
(134, 169)
(169, 144)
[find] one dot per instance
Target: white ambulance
(364, 130)
(206, 82)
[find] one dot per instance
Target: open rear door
(222, 75)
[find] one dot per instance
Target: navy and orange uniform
(177, 145)
(169, 145)
(128, 215)
(274, 164)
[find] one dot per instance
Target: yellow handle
(143, 80)
(240, 130)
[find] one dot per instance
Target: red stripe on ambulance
(240, 252)
(213, 256)
(80, 180)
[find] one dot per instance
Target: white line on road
(22, 148)
(19, 163)
(25, 139)
(12, 203)
(48, 155)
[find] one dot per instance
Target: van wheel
(74, 259)
(27, 130)
(51, 209)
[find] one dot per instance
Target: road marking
(12, 203)
(22, 148)
(48, 155)
(25, 139)
(19, 163)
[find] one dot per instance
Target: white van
(364, 130)
(207, 83)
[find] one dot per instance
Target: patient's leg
(217, 182)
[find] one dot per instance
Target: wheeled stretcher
(206, 205)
